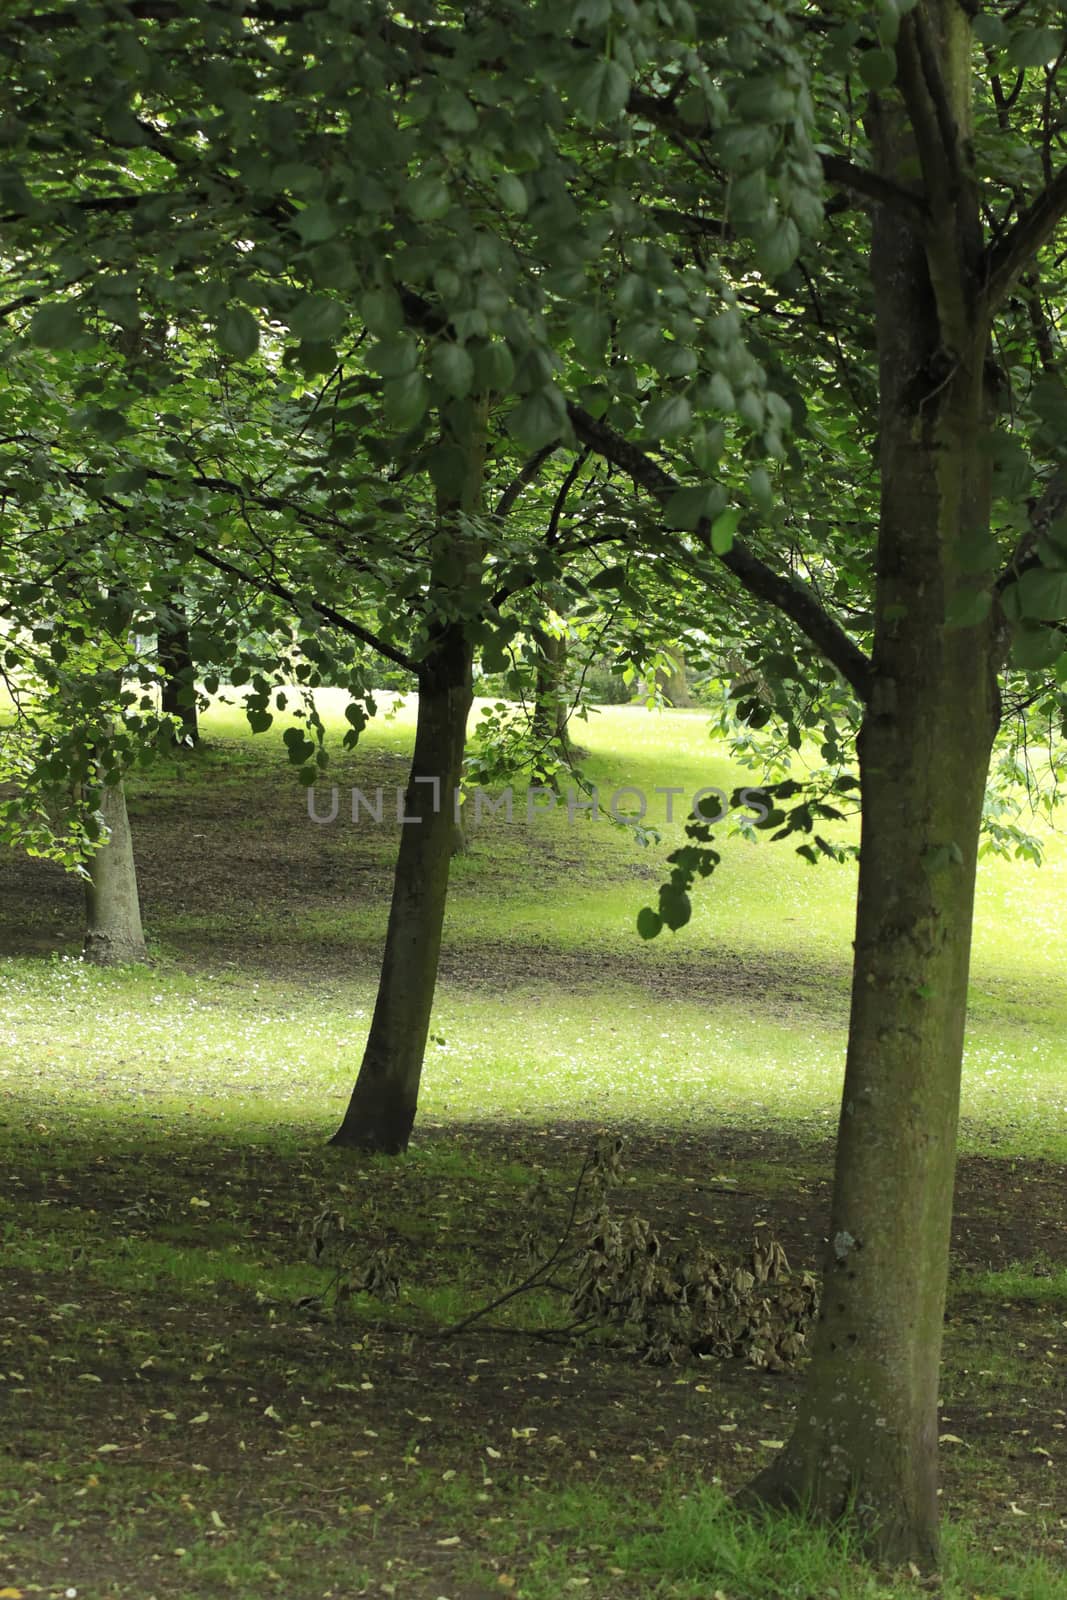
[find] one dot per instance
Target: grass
(192, 1420)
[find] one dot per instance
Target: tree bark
(113, 913)
(176, 665)
(381, 1112)
(866, 1436)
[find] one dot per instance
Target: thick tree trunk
(866, 1436)
(674, 685)
(381, 1111)
(113, 914)
(176, 665)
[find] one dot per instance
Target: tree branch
(883, 191)
(281, 592)
(1009, 258)
(785, 593)
(529, 472)
(263, 584)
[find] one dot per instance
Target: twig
(537, 1277)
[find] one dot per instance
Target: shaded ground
(185, 1427)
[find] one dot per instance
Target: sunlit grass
(740, 1016)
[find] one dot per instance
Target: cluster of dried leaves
(669, 1308)
(617, 1278)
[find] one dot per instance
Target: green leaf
(540, 419)
(723, 530)
(494, 367)
(1035, 47)
(458, 114)
(405, 399)
(777, 250)
(968, 607)
(1035, 648)
(675, 906)
(1013, 470)
(599, 91)
(448, 469)
(331, 266)
(878, 68)
(609, 578)
(317, 318)
(1042, 595)
(315, 358)
(453, 369)
(667, 417)
(317, 222)
(761, 488)
(687, 508)
(237, 332)
(109, 424)
(56, 327)
(1049, 399)
(720, 394)
(988, 28)
(428, 198)
(298, 745)
(706, 446)
(590, 332)
(395, 357)
(742, 148)
(512, 192)
(258, 721)
(649, 922)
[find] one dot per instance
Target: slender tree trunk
(549, 722)
(866, 1435)
(381, 1111)
(113, 913)
(460, 839)
(176, 665)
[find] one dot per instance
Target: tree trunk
(549, 722)
(866, 1434)
(176, 665)
(674, 685)
(113, 914)
(381, 1111)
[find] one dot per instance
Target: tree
(943, 263)
(113, 931)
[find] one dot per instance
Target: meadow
(188, 1408)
